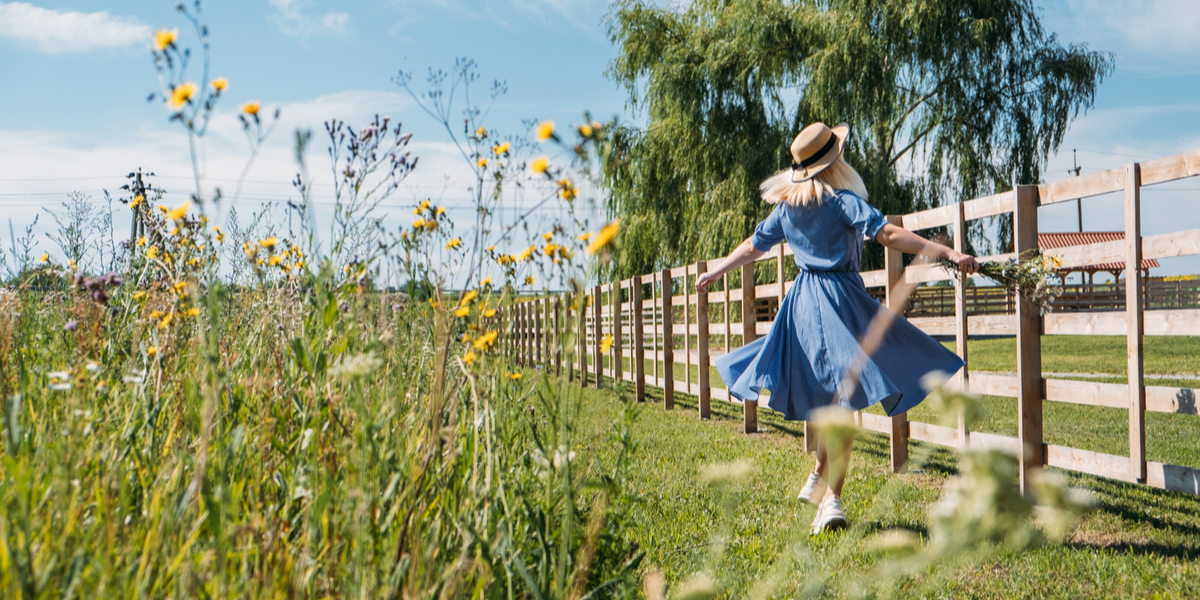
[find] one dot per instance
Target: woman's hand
(965, 262)
(705, 279)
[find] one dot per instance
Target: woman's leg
(833, 467)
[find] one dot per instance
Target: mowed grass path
(1139, 541)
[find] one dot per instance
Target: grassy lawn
(1137, 542)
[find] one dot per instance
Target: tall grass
(264, 421)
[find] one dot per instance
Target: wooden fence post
(1135, 299)
(597, 330)
(582, 298)
(893, 261)
(668, 331)
(749, 334)
(617, 323)
(638, 360)
(1029, 346)
(558, 337)
(960, 318)
(702, 344)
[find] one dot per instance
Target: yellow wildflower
(566, 189)
(268, 242)
(220, 234)
(179, 286)
(529, 280)
(596, 125)
(540, 164)
(462, 311)
(606, 342)
(501, 149)
(549, 249)
(440, 210)
(469, 358)
(175, 231)
(251, 108)
(606, 235)
(45, 257)
(584, 236)
(468, 297)
(138, 199)
(425, 204)
(152, 252)
(156, 314)
(138, 295)
(486, 280)
(545, 131)
(482, 163)
(220, 84)
(193, 312)
(179, 212)
(516, 376)
(585, 130)
(164, 38)
(481, 133)
(275, 260)
(486, 340)
(528, 253)
(454, 243)
(163, 209)
(430, 224)
(166, 322)
(180, 95)
(489, 313)
(419, 223)
(546, 236)
(152, 350)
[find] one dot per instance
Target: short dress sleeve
(863, 217)
(770, 231)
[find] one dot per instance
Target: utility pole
(1078, 201)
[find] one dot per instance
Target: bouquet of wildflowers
(1032, 275)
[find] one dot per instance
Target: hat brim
(841, 132)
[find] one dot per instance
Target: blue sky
(77, 74)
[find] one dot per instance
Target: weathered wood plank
(749, 407)
(1170, 168)
(935, 434)
(988, 206)
(1168, 245)
(1093, 184)
(1173, 477)
(639, 340)
(1134, 300)
(1084, 461)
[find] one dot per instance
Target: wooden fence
(660, 318)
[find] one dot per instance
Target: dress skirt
(813, 341)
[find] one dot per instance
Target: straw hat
(815, 148)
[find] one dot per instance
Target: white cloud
(58, 32)
(294, 21)
(1146, 34)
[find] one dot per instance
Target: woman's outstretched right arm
(745, 253)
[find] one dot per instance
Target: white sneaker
(813, 490)
(830, 516)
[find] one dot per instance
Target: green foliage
(973, 95)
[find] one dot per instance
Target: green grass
(1163, 355)
(1138, 541)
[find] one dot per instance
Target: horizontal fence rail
(655, 329)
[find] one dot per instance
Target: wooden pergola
(1051, 241)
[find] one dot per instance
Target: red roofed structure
(1050, 241)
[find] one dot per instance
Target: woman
(822, 213)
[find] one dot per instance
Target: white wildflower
(359, 365)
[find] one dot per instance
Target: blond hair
(837, 176)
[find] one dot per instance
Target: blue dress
(815, 336)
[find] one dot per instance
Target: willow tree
(947, 100)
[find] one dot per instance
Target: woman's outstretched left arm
(898, 238)
(745, 253)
